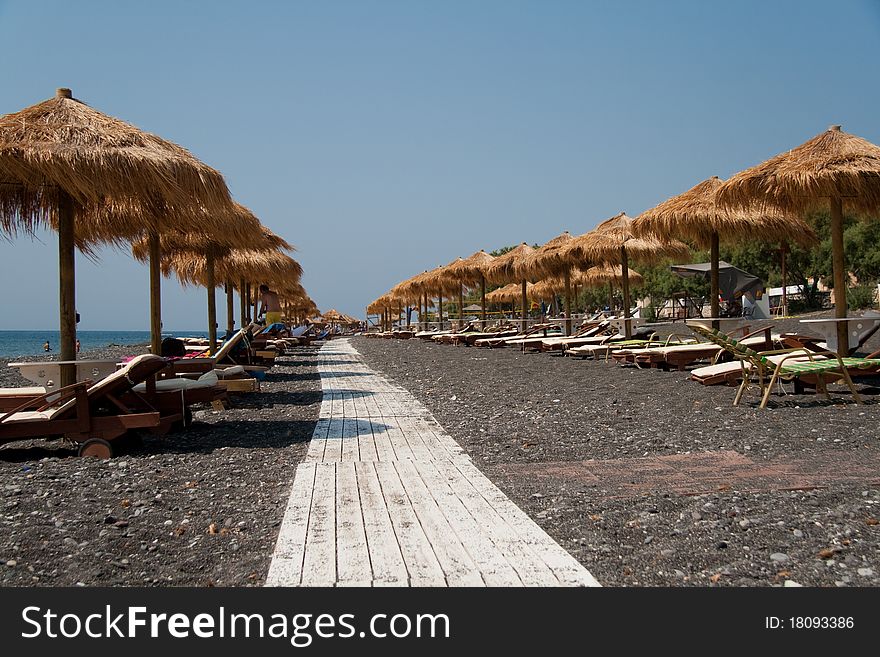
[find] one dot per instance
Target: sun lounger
(91, 415)
(793, 365)
(501, 341)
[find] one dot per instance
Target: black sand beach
(199, 507)
(650, 479)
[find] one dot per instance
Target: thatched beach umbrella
(62, 162)
(513, 267)
(613, 242)
(470, 271)
(425, 285)
(833, 169)
(610, 275)
(551, 260)
(695, 216)
(252, 235)
(510, 293)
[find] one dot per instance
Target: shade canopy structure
(471, 271)
(513, 266)
(732, 280)
(422, 286)
(695, 216)
(172, 244)
(552, 260)
(614, 242)
(608, 275)
(63, 163)
(509, 293)
(834, 170)
(333, 315)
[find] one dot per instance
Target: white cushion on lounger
(230, 371)
(11, 392)
(206, 380)
(28, 416)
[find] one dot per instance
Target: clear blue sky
(387, 137)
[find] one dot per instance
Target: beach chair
(503, 341)
(92, 415)
(757, 368)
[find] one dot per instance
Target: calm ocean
(24, 343)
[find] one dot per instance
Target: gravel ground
(200, 507)
(794, 496)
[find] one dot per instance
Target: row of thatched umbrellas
(96, 179)
(766, 203)
(557, 264)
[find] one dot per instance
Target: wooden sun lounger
(92, 415)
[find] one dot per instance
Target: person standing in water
(47, 346)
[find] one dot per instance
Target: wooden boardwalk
(386, 498)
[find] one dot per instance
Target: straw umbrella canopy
(509, 293)
(832, 170)
(609, 274)
(470, 271)
(614, 242)
(696, 217)
(251, 234)
(513, 267)
(428, 283)
(62, 162)
(551, 260)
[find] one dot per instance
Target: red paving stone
(704, 472)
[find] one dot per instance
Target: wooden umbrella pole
(440, 312)
(525, 305)
(242, 302)
(624, 267)
(460, 306)
(838, 262)
(784, 282)
(567, 302)
(67, 287)
(483, 300)
(230, 308)
(212, 300)
(155, 295)
(256, 288)
(715, 292)
(424, 318)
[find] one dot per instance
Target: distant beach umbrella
(696, 217)
(63, 163)
(510, 293)
(470, 271)
(551, 259)
(613, 242)
(175, 246)
(833, 170)
(513, 267)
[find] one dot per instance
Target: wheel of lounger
(96, 447)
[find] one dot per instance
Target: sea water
(25, 343)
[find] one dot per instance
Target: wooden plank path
(385, 497)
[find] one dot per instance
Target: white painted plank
(458, 566)
(385, 557)
(493, 565)
(319, 564)
(350, 430)
(290, 546)
(418, 555)
(352, 555)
